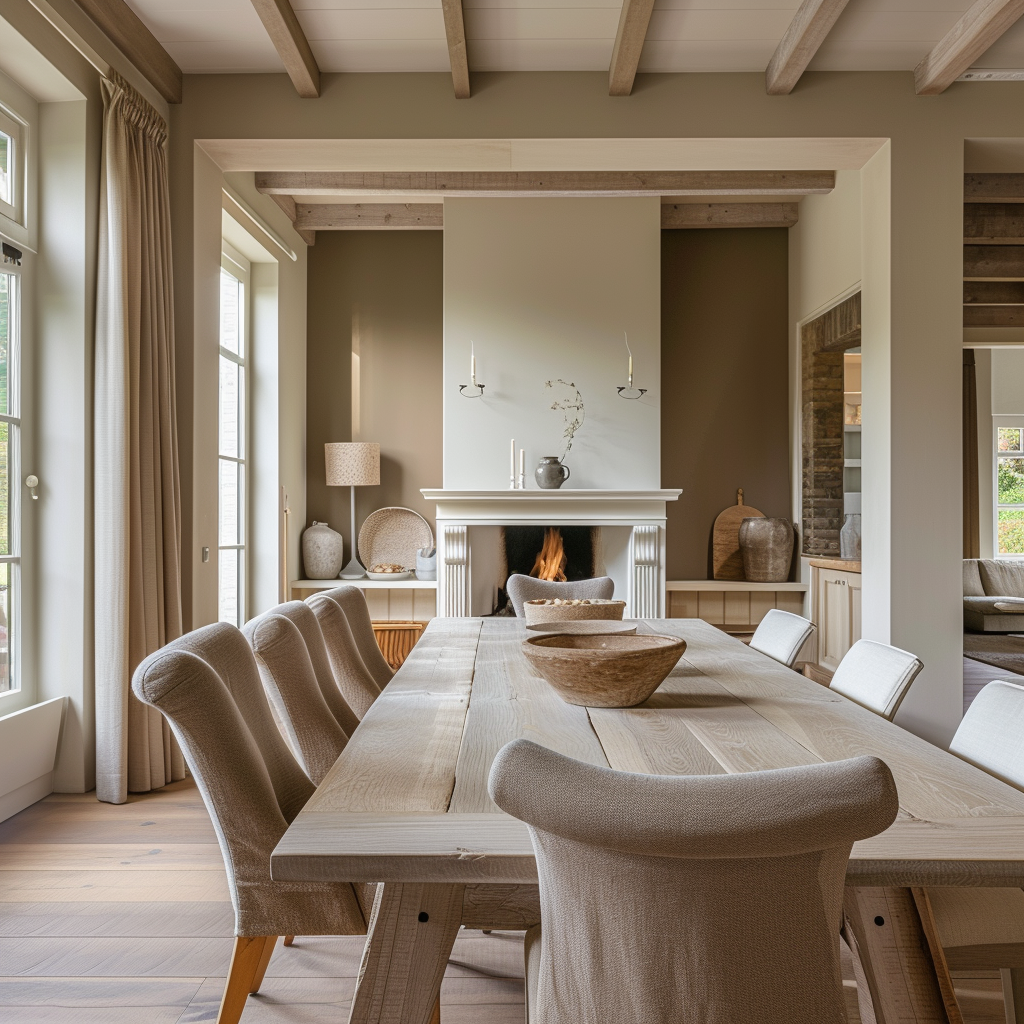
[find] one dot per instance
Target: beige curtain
(137, 501)
(972, 517)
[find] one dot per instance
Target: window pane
(5, 618)
(1009, 439)
(5, 489)
(6, 166)
(230, 503)
(1011, 481)
(229, 586)
(1011, 531)
(230, 407)
(7, 320)
(230, 313)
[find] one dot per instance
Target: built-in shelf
(851, 463)
(365, 584)
(852, 428)
(733, 585)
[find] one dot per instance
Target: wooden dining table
(406, 805)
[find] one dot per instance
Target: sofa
(993, 595)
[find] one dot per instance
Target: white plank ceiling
(557, 35)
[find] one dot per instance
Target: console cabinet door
(837, 615)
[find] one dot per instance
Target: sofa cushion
(972, 578)
(1002, 579)
(995, 605)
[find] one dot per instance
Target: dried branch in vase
(571, 408)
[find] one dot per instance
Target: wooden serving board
(726, 560)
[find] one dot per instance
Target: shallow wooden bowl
(604, 670)
(543, 611)
(581, 626)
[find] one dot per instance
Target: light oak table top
(407, 800)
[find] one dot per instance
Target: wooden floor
(120, 915)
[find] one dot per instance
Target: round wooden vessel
(545, 611)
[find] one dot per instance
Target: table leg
(901, 971)
(409, 939)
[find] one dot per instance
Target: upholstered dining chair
(521, 589)
(876, 676)
(352, 602)
(207, 686)
(286, 670)
(356, 682)
(983, 928)
(781, 634)
(696, 898)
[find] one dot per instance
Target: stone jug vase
(767, 548)
(551, 473)
(849, 537)
(322, 552)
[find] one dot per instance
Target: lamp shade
(353, 463)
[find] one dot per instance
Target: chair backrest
(208, 688)
(716, 898)
(353, 603)
(876, 676)
(302, 615)
(781, 634)
(291, 684)
(521, 589)
(991, 734)
(357, 685)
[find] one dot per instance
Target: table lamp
(353, 464)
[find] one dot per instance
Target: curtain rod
(259, 222)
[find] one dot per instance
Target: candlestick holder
(629, 392)
(466, 390)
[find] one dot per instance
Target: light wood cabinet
(835, 610)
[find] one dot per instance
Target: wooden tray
(726, 560)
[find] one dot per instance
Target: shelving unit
(734, 605)
(388, 601)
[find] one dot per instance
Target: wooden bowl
(544, 611)
(581, 626)
(604, 671)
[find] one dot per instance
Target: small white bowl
(390, 576)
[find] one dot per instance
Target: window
(232, 444)
(10, 451)
(11, 166)
(1009, 456)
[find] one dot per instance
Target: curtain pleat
(972, 515)
(137, 496)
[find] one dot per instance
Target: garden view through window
(9, 444)
(6, 161)
(1010, 490)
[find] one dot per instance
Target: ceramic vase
(849, 538)
(767, 548)
(426, 564)
(322, 552)
(551, 473)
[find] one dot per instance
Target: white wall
(1007, 382)
(545, 288)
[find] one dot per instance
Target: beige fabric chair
(353, 603)
(521, 589)
(287, 673)
(876, 676)
(983, 929)
(358, 686)
(715, 899)
(208, 688)
(781, 634)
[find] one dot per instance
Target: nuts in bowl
(389, 571)
(560, 609)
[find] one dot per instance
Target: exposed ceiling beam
(288, 205)
(993, 316)
(370, 216)
(291, 44)
(994, 223)
(629, 43)
(129, 34)
(994, 262)
(994, 188)
(994, 293)
(807, 31)
(979, 27)
(455, 33)
(729, 215)
(547, 183)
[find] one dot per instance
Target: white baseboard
(25, 796)
(28, 752)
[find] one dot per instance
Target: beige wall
(725, 411)
(377, 293)
(986, 447)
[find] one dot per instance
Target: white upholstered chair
(207, 686)
(521, 589)
(876, 676)
(781, 634)
(715, 899)
(353, 603)
(355, 680)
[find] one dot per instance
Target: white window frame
(997, 422)
(14, 442)
(17, 131)
(239, 267)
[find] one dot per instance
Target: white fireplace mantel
(643, 511)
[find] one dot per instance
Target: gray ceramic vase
(551, 473)
(767, 548)
(849, 537)
(323, 552)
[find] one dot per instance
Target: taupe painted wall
(724, 372)
(380, 292)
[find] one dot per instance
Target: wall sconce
(467, 390)
(629, 391)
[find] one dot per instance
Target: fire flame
(550, 563)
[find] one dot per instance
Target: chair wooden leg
(245, 962)
(1013, 994)
(261, 967)
(288, 940)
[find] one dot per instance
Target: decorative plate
(393, 535)
(390, 576)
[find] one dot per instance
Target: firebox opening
(546, 552)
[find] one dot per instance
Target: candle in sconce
(522, 468)
(472, 362)
(512, 467)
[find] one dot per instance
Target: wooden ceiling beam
(994, 293)
(729, 215)
(370, 216)
(978, 28)
(291, 44)
(458, 56)
(129, 34)
(994, 262)
(634, 18)
(994, 188)
(546, 183)
(993, 316)
(806, 32)
(287, 203)
(994, 223)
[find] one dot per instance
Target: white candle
(472, 362)
(630, 371)
(512, 466)
(522, 467)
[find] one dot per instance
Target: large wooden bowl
(604, 671)
(545, 611)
